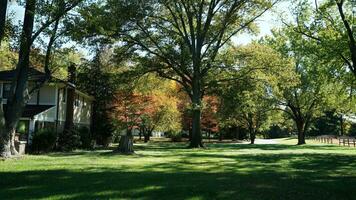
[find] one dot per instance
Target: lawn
(169, 171)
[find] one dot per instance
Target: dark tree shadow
(276, 174)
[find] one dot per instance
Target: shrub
(43, 140)
(69, 140)
(276, 131)
(85, 138)
(352, 130)
(175, 136)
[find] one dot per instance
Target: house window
(6, 90)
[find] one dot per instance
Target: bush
(43, 140)
(85, 138)
(175, 136)
(69, 140)
(276, 131)
(352, 131)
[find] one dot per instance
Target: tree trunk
(252, 135)
(126, 143)
(3, 7)
(221, 136)
(341, 125)
(18, 93)
(147, 136)
(301, 131)
(196, 140)
(140, 133)
(4, 137)
(12, 145)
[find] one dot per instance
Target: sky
(265, 23)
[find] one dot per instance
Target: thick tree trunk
(3, 7)
(18, 93)
(147, 136)
(5, 142)
(301, 131)
(126, 143)
(252, 135)
(12, 144)
(196, 140)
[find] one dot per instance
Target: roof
(36, 75)
(33, 74)
(32, 110)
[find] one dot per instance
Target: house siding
(56, 95)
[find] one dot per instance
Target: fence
(332, 139)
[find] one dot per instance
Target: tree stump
(126, 145)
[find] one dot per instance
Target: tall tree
(314, 91)
(332, 25)
(3, 9)
(248, 102)
(179, 39)
(19, 92)
(183, 38)
(98, 79)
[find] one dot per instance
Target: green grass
(169, 171)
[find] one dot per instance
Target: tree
(128, 110)
(331, 25)
(98, 78)
(314, 90)
(3, 8)
(149, 104)
(179, 40)
(160, 111)
(19, 92)
(209, 118)
(8, 57)
(247, 102)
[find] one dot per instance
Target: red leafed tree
(128, 109)
(209, 115)
(129, 106)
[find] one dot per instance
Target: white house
(47, 107)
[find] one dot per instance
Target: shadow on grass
(195, 174)
(108, 184)
(201, 174)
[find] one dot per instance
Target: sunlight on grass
(170, 171)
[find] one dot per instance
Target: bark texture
(18, 92)
(126, 144)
